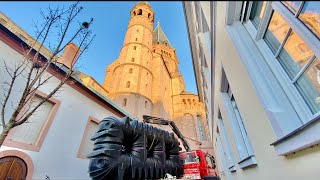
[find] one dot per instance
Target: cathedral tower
(129, 78)
(145, 79)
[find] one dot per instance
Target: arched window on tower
(134, 13)
(132, 60)
(128, 84)
(149, 15)
(145, 104)
(130, 70)
(124, 102)
(189, 103)
(134, 47)
(184, 103)
(200, 129)
(139, 12)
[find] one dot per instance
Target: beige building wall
(300, 165)
(282, 131)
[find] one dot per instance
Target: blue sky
(110, 23)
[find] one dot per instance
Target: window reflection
(310, 16)
(309, 85)
(257, 12)
(294, 55)
(276, 32)
(293, 6)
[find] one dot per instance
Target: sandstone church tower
(129, 78)
(145, 79)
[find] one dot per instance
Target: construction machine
(196, 163)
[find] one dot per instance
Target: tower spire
(159, 36)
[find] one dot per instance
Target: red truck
(196, 163)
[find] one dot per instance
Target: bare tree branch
(34, 70)
(17, 123)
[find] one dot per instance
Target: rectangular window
(291, 31)
(247, 151)
(225, 144)
(296, 58)
(29, 131)
(31, 134)
(221, 160)
(134, 47)
(293, 53)
(257, 11)
(86, 145)
(239, 132)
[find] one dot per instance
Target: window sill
(305, 136)
(247, 162)
(232, 168)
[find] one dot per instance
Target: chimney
(69, 55)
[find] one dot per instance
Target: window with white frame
(225, 144)
(285, 36)
(297, 55)
(284, 54)
(243, 145)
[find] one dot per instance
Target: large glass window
(225, 143)
(247, 149)
(239, 132)
(294, 55)
(276, 32)
(257, 12)
(310, 16)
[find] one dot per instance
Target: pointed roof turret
(159, 36)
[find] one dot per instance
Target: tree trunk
(5, 131)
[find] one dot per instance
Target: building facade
(265, 86)
(145, 79)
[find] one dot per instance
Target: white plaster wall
(300, 165)
(57, 157)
